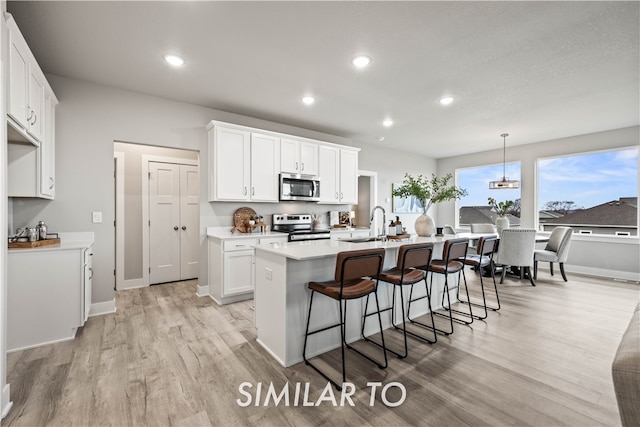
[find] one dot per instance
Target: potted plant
(428, 191)
(501, 208)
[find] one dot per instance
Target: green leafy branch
(429, 190)
(501, 208)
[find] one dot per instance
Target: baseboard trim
(27, 347)
(6, 403)
(101, 308)
(589, 271)
(134, 284)
(202, 291)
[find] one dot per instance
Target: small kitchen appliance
(304, 188)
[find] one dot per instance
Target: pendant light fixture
(505, 183)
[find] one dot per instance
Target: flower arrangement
(429, 191)
(501, 208)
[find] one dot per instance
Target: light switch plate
(97, 217)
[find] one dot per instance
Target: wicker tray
(241, 220)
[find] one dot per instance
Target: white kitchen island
(281, 298)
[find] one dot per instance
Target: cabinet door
(36, 102)
(265, 166)
(238, 276)
(308, 158)
(289, 156)
(17, 87)
(229, 165)
(329, 163)
(47, 152)
(348, 176)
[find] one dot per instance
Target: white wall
(590, 255)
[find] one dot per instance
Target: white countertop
(325, 248)
(68, 241)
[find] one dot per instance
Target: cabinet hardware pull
(91, 270)
(302, 168)
(51, 182)
(253, 191)
(296, 165)
(30, 114)
(336, 195)
(35, 119)
(341, 195)
(245, 191)
(175, 228)
(184, 227)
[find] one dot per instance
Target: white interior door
(164, 222)
(189, 221)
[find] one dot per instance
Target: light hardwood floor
(168, 357)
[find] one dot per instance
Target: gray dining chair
(483, 228)
(516, 250)
(557, 250)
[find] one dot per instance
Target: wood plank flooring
(168, 357)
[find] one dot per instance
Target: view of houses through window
(475, 208)
(594, 193)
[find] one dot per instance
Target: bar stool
(483, 258)
(405, 273)
(356, 276)
(454, 250)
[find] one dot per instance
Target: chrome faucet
(384, 219)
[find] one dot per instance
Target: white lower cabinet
(231, 267)
(350, 234)
(48, 294)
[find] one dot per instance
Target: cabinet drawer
(267, 240)
(239, 245)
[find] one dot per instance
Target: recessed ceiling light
(446, 100)
(361, 61)
(174, 60)
(308, 100)
(381, 138)
(387, 123)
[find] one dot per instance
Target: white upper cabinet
(329, 168)
(31, 119)
(298, 157)
(243, 166)
(265, 165)
(229, 162)
(338, 175)
(27, 87)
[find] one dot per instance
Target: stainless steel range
(299, 227)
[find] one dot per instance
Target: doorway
(367, 199)
(144, 253)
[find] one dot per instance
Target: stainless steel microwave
(304, 188)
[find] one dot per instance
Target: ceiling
(536, 70)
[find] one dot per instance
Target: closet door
(164, 222)
(189, 221)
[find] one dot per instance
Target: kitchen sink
(362, 239)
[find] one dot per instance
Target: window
(474, 208)
(594, 193)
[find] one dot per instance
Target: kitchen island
(282, 299)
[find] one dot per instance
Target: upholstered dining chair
(484, 228)
(516, 250)
(557, 250)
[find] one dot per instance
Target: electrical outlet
(97, 217)
(268, 273)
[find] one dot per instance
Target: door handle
(184, 227)
(175, 228)
(302, 166)
(52, 182)
(296, 165)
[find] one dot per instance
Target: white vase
(425, 226)
(502, 222)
